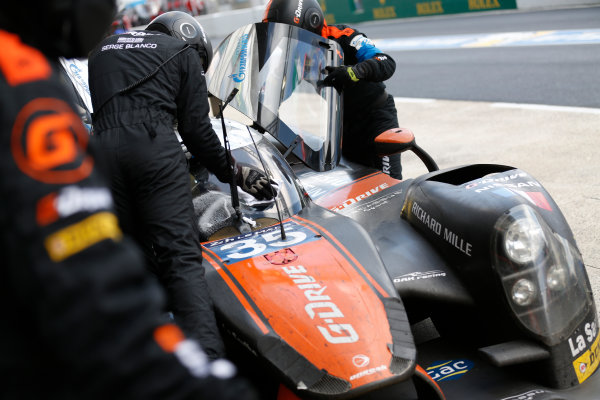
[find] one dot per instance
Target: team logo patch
(78, 237)
(48, 142)
(281, 257)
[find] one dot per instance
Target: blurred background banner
(343, 11)
(220, 17)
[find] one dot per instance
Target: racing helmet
(306, 14)
(68, 28)
(184, 27)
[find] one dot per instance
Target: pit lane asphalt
(556, 145)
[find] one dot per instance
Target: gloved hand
(338, 77)
(254, 182)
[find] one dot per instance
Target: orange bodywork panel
(356, 191)
(314, 295)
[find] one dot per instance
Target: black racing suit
(368, 109)
(80, 313)
(150, 179)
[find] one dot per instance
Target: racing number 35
(261, 244)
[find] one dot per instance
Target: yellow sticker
(77, 237)
(586, 364)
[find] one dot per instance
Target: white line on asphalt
(542, 107)
(413, 100)
(538, 107)
(479, 40)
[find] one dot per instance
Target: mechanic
(142, 83)
(82, 317)
(369, 111)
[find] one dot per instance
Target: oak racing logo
(320, 306)
(360, 360)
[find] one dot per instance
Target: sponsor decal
(503, 186)
(585, 345)
(369, 371)
(298, 12)
(76, 72)
(415, 276)
(587, 363)
(125, 39)
(381, 58)
(385, 161)
(435, 226)
(449, 370)
(80, 236)
(361, 197)
(118, 46)
(483, 4)
(141, 46)
(48, 142)
(321, 306)
(372, 204)
(261, 242)
(71, 200)
(360, 40)
(281, 257)
(384, 12)
(530, 395)
(489, 180)
(537, 199)
(242, 53)
(360, 360)
(580, 342)
(430, 7)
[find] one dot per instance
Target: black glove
(254, 182)
(338, 77)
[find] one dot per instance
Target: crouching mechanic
(142, 83)
(81, 316)
(370, 117)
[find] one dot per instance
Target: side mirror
(398, 140)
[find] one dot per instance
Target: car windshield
(278, 70)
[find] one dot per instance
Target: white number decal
(256, 248)
(250, 247)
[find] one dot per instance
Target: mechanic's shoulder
(340, 31)
(21, 63)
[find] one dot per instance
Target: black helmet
(306, 14)
(185, 27)
(69, 28)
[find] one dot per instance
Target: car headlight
(542, 273)
(524, 292)
(523, 240)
